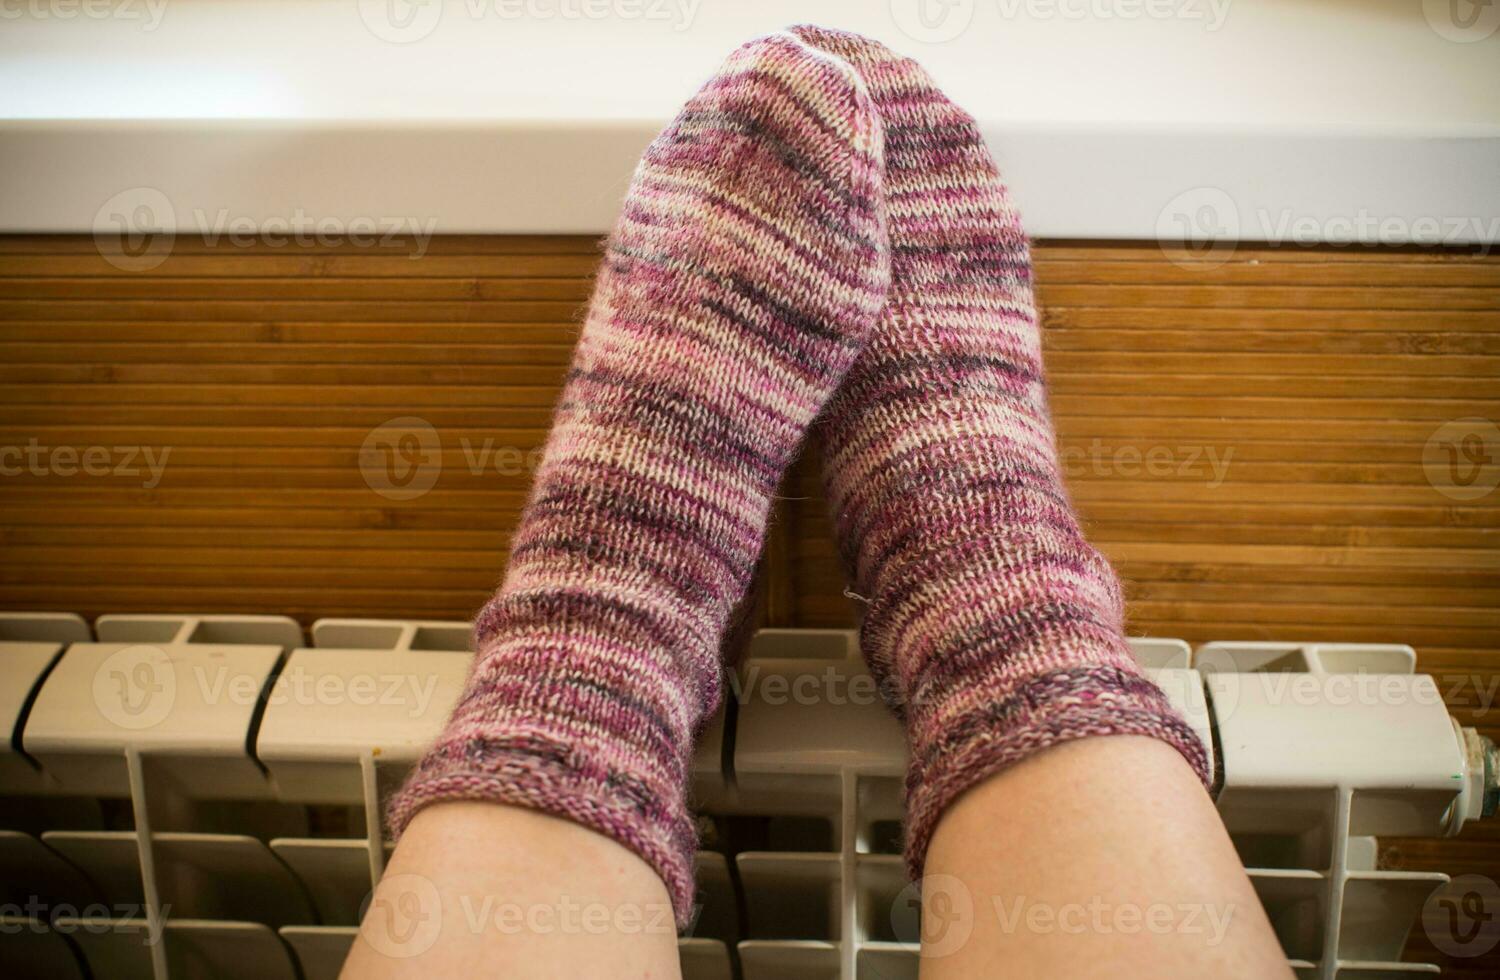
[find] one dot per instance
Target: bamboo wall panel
(1245, 438)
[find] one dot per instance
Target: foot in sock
(747, 268)
(993, 624)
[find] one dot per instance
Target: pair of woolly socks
(819, 232)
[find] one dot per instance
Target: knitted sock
(994, 626)
(745, 272)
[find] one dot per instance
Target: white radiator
(213, 782)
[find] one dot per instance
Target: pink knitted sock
(995, 626)
(748, 266)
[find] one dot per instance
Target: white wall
(1111, 117)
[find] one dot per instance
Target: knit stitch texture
(747, 267)
(994, 627)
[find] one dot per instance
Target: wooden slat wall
(1320, 373)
